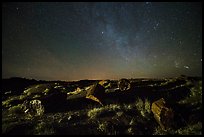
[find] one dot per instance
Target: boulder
(54, 101)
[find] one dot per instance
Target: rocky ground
(66, 108)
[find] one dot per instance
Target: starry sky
(101, 40)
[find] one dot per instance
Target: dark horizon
(71, 41)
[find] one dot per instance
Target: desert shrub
(195, 129)
(195, 95)
(102, 127)
(130, 131)
(14, 100)
(159, 131)
(147, 106)
(189, 83)
(139, 104)
(43, 89)
(120, 113)
(164, 83)
(32, 90)
(128, 106)
(65, 90)
(107, 128)
(36, 96)
(132, 122)
(16, 109)
(22, 97)
(43, 128)
(6, 104)
(196, 91)
(143, 107)
(93, 113)
(46, 90)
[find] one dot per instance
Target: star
(156, 26)
(187, 67)
(146, 37)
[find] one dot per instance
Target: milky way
(73, 41)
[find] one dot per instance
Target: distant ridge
(17, 84)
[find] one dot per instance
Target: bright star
(187, 67)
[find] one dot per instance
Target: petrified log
(124, 84)
(162, 113)
(105, 83)
(94, 92)
(33, 107)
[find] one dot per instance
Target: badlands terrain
(101, 107)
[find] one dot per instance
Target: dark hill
(16, 84)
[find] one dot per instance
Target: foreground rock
(163, 115)
(54, 101)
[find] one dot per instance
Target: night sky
(102, 40)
